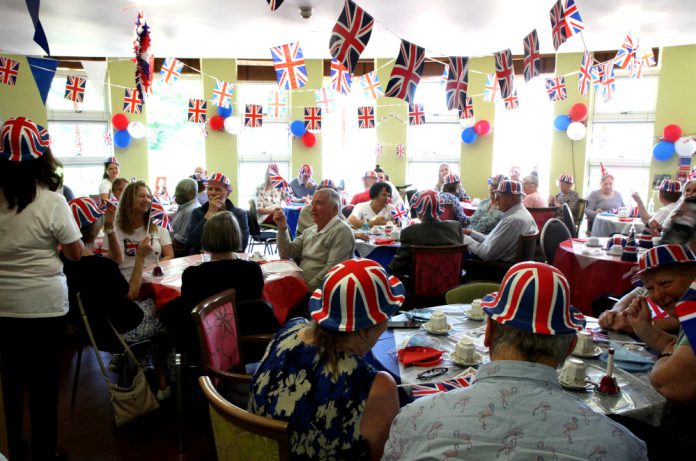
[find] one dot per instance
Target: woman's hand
(109, 215)
(636, 197)
(638, 316)
(279, 219)
(144, 247)
(362, 236)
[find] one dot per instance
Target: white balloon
(685, 146)
(136, 130)
(576, 131)
(467, 122)
(233, 125)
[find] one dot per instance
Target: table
(638, 399)
(606, 225)
(383, 254)
(282, 290)
(593, 275)
(292, 216)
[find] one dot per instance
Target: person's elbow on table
(673, 375)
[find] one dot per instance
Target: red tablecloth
(594, 275)
(282, 291)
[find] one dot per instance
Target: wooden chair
(495, 271)
(240, 435)
(465, 294)
(435, 269)
(553, 233)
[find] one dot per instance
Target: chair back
(347, 210)
(465, 294)
(579, 211)
(447, 212)
(526, 246)
(553, 233)
(436, 269)
(541, 215)
(252, 207)
(240, 435)
(569, 221)
(254, 228)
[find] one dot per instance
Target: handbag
(128, 403)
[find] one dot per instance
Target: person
(323, 245)
(669, 193)
(218, 191)
(303, 186)
(369, 178)
(383, 177)
(516, 408)
(376, 212)
(448, 196)
(34, 301)
(682, 230)
(487, 215)
(314, 374)
(689, 190)
(202, 182)
(443, 171)
(501, 243)
(305, 220)
(185, 196)
(515, 173)
(603, 199)
(111, 172)
(161, 191)
(532, 199)
(430, 231)
(117, 188)
(567, 195)
(133, 224)
(200, 172)
(267, 197)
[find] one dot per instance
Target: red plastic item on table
(419, 356)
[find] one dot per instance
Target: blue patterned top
(447, 198)
(323, 411)
(483, 220)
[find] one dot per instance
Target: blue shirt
(299, 190)
(514, 411)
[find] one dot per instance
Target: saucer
(426, 326)
(478, 359)
(588, 244)
(475, 318)
(596, 350)
(575, 387)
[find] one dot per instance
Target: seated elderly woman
(532, 199)
(669, 194)
(450, 201)
(268, 197)
(567, 195)
(376, 212)
(314, 375)
(487, 214)
(603, 199)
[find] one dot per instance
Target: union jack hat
(534, 297)
(306, 170)
(669, 185)
(272, 169)
(327, 183)
(616, 239)
(22, 140)
(661, 256)
(110, 160)
(451, 178)
(497, 178)
(356, 294)
(370, 174)
(85, 211)
(426, 203)
(510, 187)
(221, 178)
(567, 178)
(630, 252)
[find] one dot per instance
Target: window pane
(621, 140)
(79, 139)
(431, 93)
(434, 141)
(627, 179)
(252, 174)
(631, 95)
(83, 180)
(423, 175)
(56, 96)
(270, 142)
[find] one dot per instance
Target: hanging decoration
(572, 19)
(416, 115)
(289, 65)
(122, 139)
(132, 103)
(253, 116)
(532, 57)
(196, 110)
(350, 35)
(78, 141)
(608, 81)
(559, 33)
(400, 151)
(469, 135)
(222, 94)
(9, 68)
(366, 117)
(406, 73)
(340, 78)
(325, 99)
(43, 70)
(137, 130)
(312, 116)
(170, 70)
(685, 147)
(274, 4)
(378, 150)
(144, 60)
(457, 82)
(490, 90)
(297, 128)
(370, 85)
(75, 88)
(587, 74)
(626, 55)
(120, 121)
(233, 125)
(277, 106)
(576, 131)
(108, 139)
(468, 111)
(504, 72)
(216, 123)
(309, 139)
(561, 122)
(578, 112)
(512, 102)
(224, 112)
(556, 88)
(482, 127)
(39, 34)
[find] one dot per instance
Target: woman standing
(111, 172)
(487, 214)
(34, 301)
(603, 199)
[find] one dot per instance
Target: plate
(475, 318)
(426, 326)
(478, 359)
(596, 350)
(576, 387)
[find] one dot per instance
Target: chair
(240, 435)
(447, 213)
(579, 213)
(465, 294)
(252, 208)
(569, 221)
(553, 233)
(495, 271)
(541, 215)
(266, 238)
(435, 269)
(347, 210)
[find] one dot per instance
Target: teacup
(396, 234)
(438, 321)
(573, 372)
(593, 241)
(464, 350)
(476, 310)
(616, 250)
(584, 345)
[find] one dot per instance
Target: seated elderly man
(515, 220)
(516, 408)
(323, 245)
(303, 186)
(369, 178)
(185, 195)
(431, 231)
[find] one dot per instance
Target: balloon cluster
(224, 121)
(126, 131)
(298, 129)
(572, 123)
(672, 141)
(482, 127)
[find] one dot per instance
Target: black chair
(347, 210)
(266, 238)
(495, 271)
(553, 233)
(569, 221)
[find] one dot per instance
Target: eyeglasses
(432, 373)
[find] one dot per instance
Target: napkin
(606, 213)
(626, 219)
(413, 355)
(384, 241)
(622, 354)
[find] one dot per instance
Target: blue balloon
(297, 128)
(469, 135)
(561, 122)
(663, 150)
(122, 139)
(224, 112)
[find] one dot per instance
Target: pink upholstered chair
(435, 269)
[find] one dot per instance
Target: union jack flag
(289, 65)
(445, 75)
(277, 106)
(416, 116)
(85, 210)
(608, 81)
(532, 58)
(457, 82)
(196, 110)
(132, 102)
(253, 116)
(556, 88)
(504, 72)
(340, 77)
(370, 85)
(512, 102)
(587, 74)
(350, 35)
(490, 90)
(274, 4)
(366, 117)
(558, 25)
(627, 53)
(597, 73)
(312, 117)
(75, 88)
(461, 381)
(400, 151)
(170, 70)
(325, 99)
(108, 140)
(571, 16)
(468, 111)
(647, 57)
(406, 73)
(222, 94)
(399, 212)
(158, 215)
(8, 71)
(686, 312)
(279, 183)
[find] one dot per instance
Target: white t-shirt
(363, 211)
(32, 283)
(130, 242)
(105, 186)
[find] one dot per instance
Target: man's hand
(466, 231)
(279, 219)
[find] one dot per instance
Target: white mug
(593, 241)
(573, 372)
(464, 350)
(476, 309)
(584, 345)
(438, 321)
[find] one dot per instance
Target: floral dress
(484, 220)
(268, 199)
(571, 198)
(447, 198)
(323, 411)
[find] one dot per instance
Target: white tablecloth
(604, 226)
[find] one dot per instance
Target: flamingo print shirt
(514, 411)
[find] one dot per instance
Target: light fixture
(306, 11)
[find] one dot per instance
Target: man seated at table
(431, 231)
(185, 196)
(501, 243)
(323, 245)
(303, 186)
(369, 178)
(516, 407)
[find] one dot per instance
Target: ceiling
(247, 28)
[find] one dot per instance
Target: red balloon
(482, 127)
(578, 112)
(217, 122)
(672, 133)
(120, 121)
(309, 139)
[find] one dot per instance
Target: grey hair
(531, 179)
(187, 186)
(221, 233)
(334, 197)
(533, 347)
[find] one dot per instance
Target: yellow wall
(22, 99)
(392, 129)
